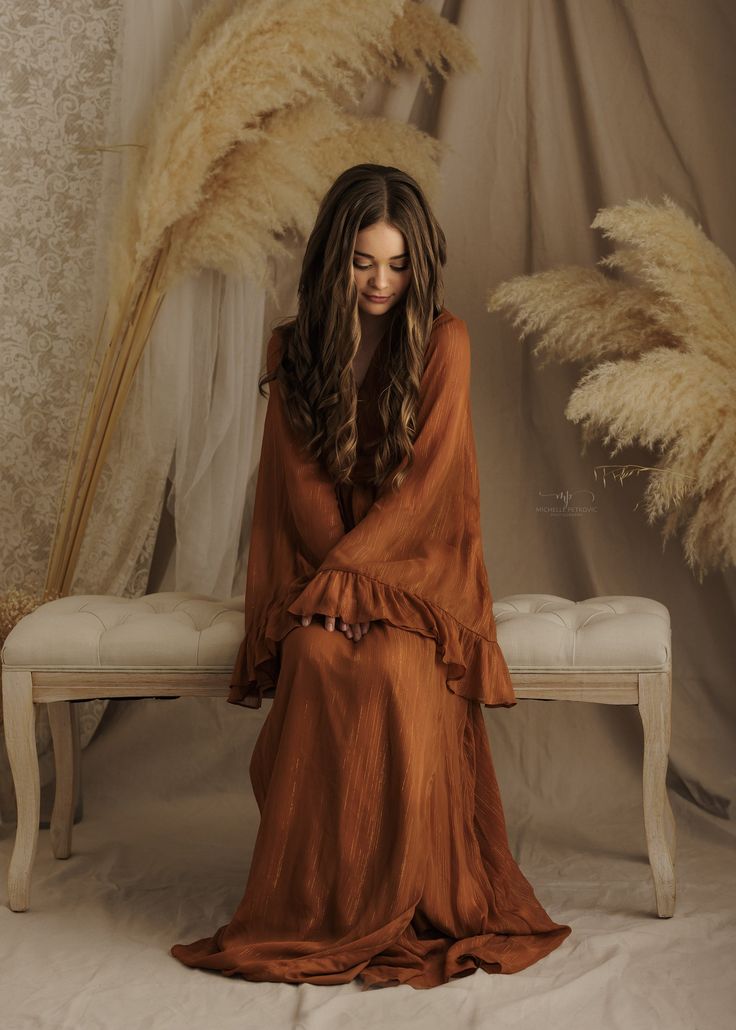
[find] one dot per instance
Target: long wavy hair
(315, 372)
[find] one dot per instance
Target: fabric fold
(382, 852)
(413, 557)
(476, 668)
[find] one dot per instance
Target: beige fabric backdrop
(58, 66)
(578, 105)
(576, 109)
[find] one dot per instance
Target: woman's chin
(375, 307)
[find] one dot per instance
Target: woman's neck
(372, 327)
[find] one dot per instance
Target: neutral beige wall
(578, 106)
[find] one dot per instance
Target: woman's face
(380, 267)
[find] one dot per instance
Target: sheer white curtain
(192, 411)
(220, 321)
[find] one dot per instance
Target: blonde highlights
(319, 344)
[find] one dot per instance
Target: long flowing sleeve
(291, 530)
(415, 559)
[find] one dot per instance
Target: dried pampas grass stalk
(246, 134)
(668, 382)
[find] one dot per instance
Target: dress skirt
(382, 853)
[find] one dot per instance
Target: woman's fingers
(348, 629)
(352, 630)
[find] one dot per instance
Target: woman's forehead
(380, 238)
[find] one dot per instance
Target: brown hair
(320, 343)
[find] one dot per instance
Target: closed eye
(393, 268)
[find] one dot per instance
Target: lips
(370, 296)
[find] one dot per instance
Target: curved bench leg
(655, 695)
(19, 716)
(8, 812)
(64, 722)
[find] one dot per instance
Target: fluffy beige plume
(686, 269)
(421, 41)
(674, 388)
(267, 54)
(619, 319)
(383, 140)
(124, 224)
(241, 64)
(229, 163)
(272, 185)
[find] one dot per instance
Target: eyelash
(404, 268)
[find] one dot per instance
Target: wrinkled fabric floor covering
(382, 851)
(168, 830)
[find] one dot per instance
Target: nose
(380, 279)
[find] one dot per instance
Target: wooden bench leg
(64, 722)
(655, 694)
(7, 794)
(19, 717)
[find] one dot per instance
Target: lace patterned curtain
(57, 62)
(81, 75)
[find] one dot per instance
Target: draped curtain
(184, 445)
(578, 104)
(58, 62)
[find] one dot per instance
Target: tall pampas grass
(247, 132)
(661, 341)
(270, 186)
(234, 73)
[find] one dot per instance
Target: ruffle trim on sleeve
(476, 667)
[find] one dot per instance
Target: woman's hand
(354, 630)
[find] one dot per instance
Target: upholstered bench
(613, 650)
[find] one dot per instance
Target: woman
(382, 851)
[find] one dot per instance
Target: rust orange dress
(382, 853)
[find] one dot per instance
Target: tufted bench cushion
(608, 650)
(183, 631)
(542, 632)
(162, 631)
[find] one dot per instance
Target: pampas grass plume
(660, 346)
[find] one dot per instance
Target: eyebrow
(394, 258)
